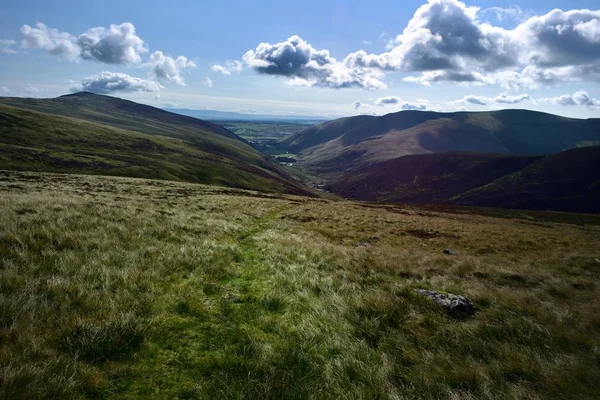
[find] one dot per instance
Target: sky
(315, 58)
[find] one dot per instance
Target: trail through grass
(124, 288)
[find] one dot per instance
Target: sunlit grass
(121, 288)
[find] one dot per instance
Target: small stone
(455, 305)
(450, 252)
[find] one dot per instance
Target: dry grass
(124, 288)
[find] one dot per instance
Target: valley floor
(131, 288)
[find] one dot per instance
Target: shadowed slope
(569, 181)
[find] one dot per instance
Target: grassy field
(131, 288)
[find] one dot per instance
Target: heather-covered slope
(356, 142)
(569, 181)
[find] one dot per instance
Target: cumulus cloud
(207, 82)
(397, 102)
(579, 98)
(303, 65)
(500, 99)
(228, 68)
(506, 99)
(117, 44)
(449, 41)
(110, 82)
(4, 90)
(55, 42)
(6, 46)
(168, 69)
(446, 35)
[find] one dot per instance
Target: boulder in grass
(455, 305)
(450, 252)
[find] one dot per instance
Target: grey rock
(455, 305)
(450, 252)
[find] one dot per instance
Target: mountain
(358, 142)
(89, 133)
(569, 181)
(235, 116)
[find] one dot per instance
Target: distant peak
(80, 94)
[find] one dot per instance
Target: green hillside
(87, 133)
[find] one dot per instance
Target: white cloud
(207, 82)
(6, 46)
(303, 65)
(477, 100)
(500, 99)
(509, 14)
(109, 82)
(117, 44)
(230, 66)
(397, 102)
(367, 42)
(579, 98)
(221, 69)
(168, 69)
(61, 44)
(4, 90)
(446, 41)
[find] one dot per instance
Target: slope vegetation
(356, 142)
(105, 135)
(117, 288)
(569, 181)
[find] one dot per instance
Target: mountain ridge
(99, 134)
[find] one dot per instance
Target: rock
(455, 305)
(450, 252)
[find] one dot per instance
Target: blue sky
(478, 55)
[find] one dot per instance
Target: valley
(147, 254)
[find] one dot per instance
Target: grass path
(120, 288)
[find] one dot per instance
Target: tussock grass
(125, 288)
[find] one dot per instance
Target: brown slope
(569, 181)
(428, 178)
(416, 132)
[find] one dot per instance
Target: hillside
(131, 288)
(357, 142)
(98, 134)
(569, 181)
